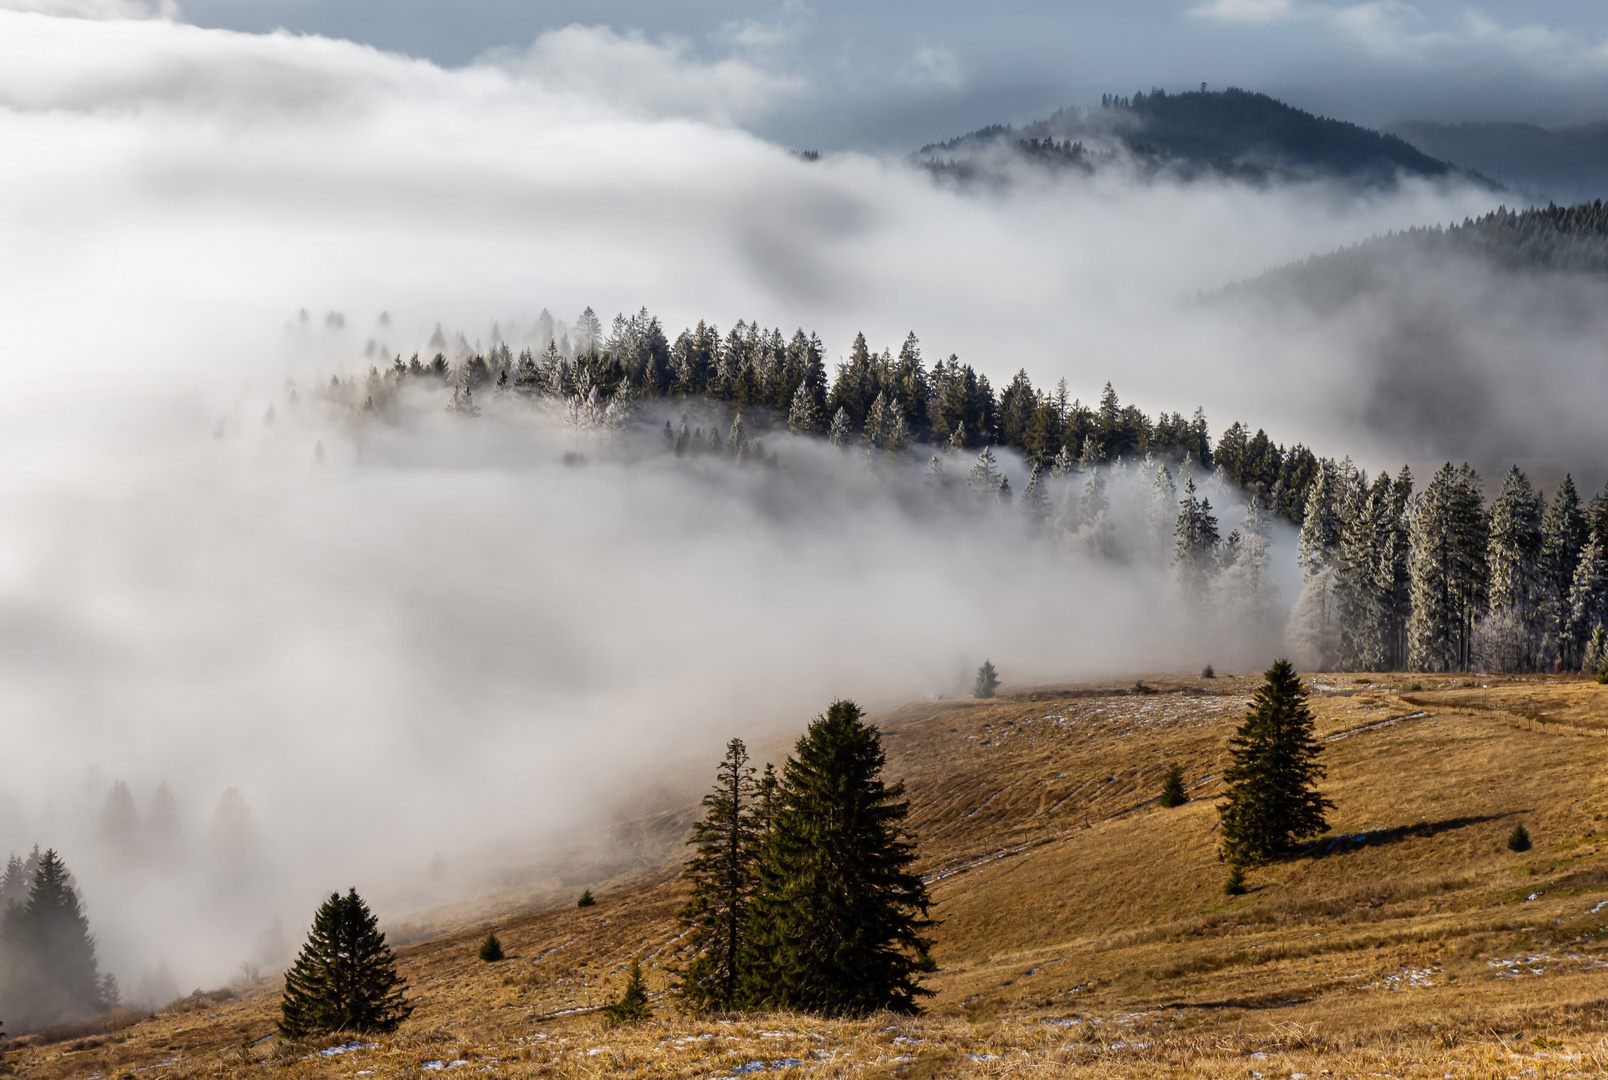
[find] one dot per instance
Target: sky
(897, 74)
(445, 639)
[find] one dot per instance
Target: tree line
(1393, 578)
(1439, 580)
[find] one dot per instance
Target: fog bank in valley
(432, 635)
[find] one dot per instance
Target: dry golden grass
(1084, 930)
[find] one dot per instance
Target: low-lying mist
(433, 635)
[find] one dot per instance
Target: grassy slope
(1067, 895)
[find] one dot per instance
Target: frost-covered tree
(878, 419)
(1514, 555)
(804, 417)
(1246, 585)
(1448, 565)
(1195, 542)
(842, 432)
(1035, 505)
(587, 336)
(1064, 464)
(1395, 573)
(1360, 581)
(1318, 545)
(1564, 532)
(1595, 661)
(983, 479)
(1588, 596)
(1161, 513)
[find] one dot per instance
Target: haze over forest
(257, 576)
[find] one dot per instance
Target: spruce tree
(54, 967)
(722, 878)
(1433, 626)
(1035, 506)
(345, 977)
(987, 681)
(1271, 802)
(1588, 596)
(1196, 538)
(842, 432)
(1172, 788)
(838, 914)
(632, 1006)
(1564, 533)
(491, 949)
(804, 415)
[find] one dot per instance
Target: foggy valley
(420, 468)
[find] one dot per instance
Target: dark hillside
(1236, 134)
(1551, 239)
(1242, 125)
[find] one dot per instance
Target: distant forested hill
(1231, 132)
(1567, 164)
(1552, 239)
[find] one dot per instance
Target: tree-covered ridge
(1559, 239)
(769, 382)
(1233, 134)
(1243, 125)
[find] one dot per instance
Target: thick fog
(430, 635)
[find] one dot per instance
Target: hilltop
(1083, 926)
(1232, 133)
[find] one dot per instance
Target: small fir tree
(1172, 788)
(1207, 672)
(722, 877)
(1271, 802)
(345, 978)
(987, 681)
(632, 1006)
(1519, 838)
(1235, 885)
(586, 899)
(491, 949)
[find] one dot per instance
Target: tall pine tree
(838, 914)
(1272, 802)
(722, 877)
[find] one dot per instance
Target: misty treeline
(1440, 580)
(803, 892)
(1393, 578)
(48, 970)
(1559, 239)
